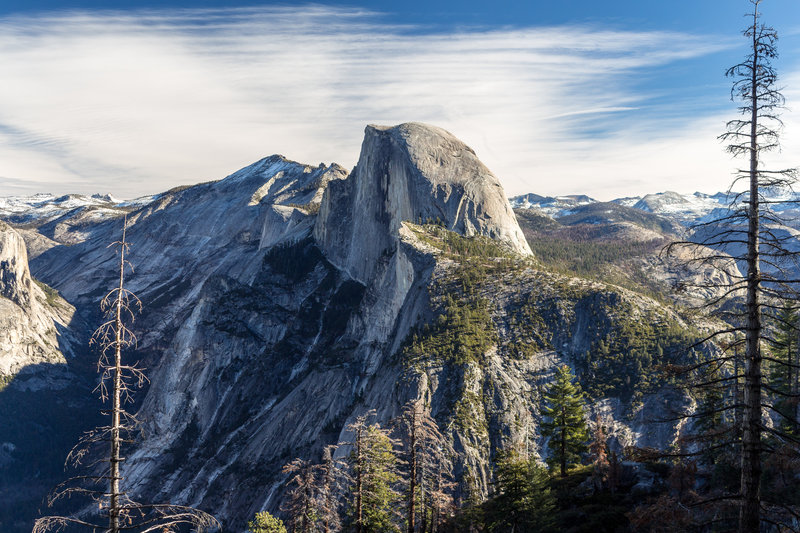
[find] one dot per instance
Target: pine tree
(598, 450)
(429, 469)
(782, 370)
(565, 422)
(265, 523)
(375, 498)
(751, 136)
(521, 501)
(301, 502)
(312, 501)
(330, 482)
(104, 481)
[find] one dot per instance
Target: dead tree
(300, 503)
(749, 235)
(429, 467)
(331, 477)
(313, 501)
(102, 482)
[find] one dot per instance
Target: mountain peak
(411, 172)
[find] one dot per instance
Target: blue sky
(603, 98)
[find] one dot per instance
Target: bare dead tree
(102, 482)
(748, 234)
(332, 476)
(429, 467)
(300, 503)
(313, 501)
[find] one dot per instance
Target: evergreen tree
(713, 431)
(376, 501)
(565, 422)
(522, 501)
(265, 523)
(782, 370)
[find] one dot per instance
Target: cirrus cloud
(137, 102)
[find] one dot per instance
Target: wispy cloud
(134, 103)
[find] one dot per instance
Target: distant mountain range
(685, 209)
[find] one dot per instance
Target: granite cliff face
(417, 173)
(285, 300)
(34, 336)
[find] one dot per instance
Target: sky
(608, 99)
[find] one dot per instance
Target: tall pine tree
(375, 504)
(565, 421)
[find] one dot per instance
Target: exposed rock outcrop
(411, 172)
(33, 323)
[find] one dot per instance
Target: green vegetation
(4, 381)
(52, 296)
(585, 258)
(593, 511)
(374, 499)
(309, 209)
(456, 245)
(265, 523)
(564, 422)
(625, 360)
(462, 334)
(609, 213)
(528, 333)
(522, 500)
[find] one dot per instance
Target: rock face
(285, 300)
(411, 172)
(33, 324)
(15, 276)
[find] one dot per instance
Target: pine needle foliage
(521, 500)
(564, 421)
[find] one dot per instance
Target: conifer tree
(330, 481)
(265, 523)
(521, 501)
(783, 370)
(564, 421)
(745, 234)
(429, 468)
(374, 478)
(598, 450)
(301, 502)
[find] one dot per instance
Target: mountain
(285, 300)
(44, 405)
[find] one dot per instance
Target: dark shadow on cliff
(43, 411)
